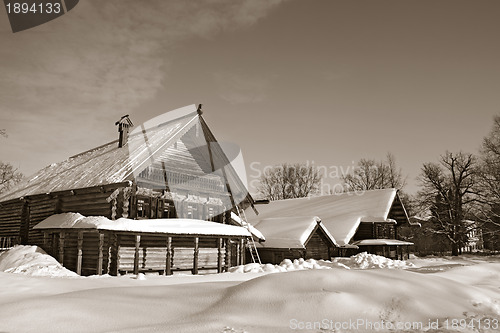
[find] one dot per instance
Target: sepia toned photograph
(250, 166)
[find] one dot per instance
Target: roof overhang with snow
(381, 242)
(181, 227)
(291, 232)
(254, 231)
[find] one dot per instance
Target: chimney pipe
(124, 125)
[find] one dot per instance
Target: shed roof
(339, 213)
(158, 226)
(290, 232)
(379, 241)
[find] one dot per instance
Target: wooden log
(196, 253)
(46, 241)
(242, 251)
(228, 255)
(100, 256)
(219, 255)
(61, 247)
(168, 263)
(136, 253)
(238, 254)
(113, 255)
(79, 253)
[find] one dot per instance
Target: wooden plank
(168, 266)
(100, 256)
(228, 255)
(46, 241)
(114, 257)
(242, 251)
(136, 253)
(61, 247)
(219, 255)
(79, 253)
(238, 254)
(196, 253)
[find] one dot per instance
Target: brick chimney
(124, 125)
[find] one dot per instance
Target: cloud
(237, 89)
(108, 55)
(99, 61)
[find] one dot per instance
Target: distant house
(169, 167)
(429, 241)
(474, 237)
(350, 223)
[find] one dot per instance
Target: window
(211, 214)
(143, 208)
(166, 209)
(192, 211)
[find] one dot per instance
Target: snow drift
(33, 261)
(362, 260)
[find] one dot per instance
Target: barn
(171, 167)
(357, 221)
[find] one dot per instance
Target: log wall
(87, 204)
(276, 256)
(19, 216)
(153, 253)
(10, 218)
(39, 209)
(370, 230)
(318, 246)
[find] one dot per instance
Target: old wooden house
(169, 167)
(294, 238)
(365, 221)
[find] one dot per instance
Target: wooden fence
(8, 242)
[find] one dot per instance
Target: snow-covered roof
(289, 232)
(164, 226)
(339, 213)
(106, 164)
(246, 225)
(380, 242)
(177, 144)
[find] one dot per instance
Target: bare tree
(449, 192)
(373, 175)
(489, 177)
(288, 181)
(9, 176)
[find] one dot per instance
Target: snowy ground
(364, 293)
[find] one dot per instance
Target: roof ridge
(92, 149)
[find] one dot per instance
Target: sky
(319, 82)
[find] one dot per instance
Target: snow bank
(263, 303)
(33, 261)
(360, 261)
(366, 260)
